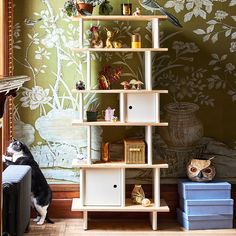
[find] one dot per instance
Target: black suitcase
(16, 186)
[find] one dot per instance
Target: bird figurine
(152, 5)
(30, 22)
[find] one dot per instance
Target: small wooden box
(134, 151)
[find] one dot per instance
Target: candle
(136, 41)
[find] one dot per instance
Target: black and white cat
(19, 154)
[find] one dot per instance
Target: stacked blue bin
(205, 205)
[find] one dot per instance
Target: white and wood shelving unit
(102, 185)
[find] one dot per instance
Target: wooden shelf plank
(119, 18)
(119, 91)
(119, 49)
(129, 207)
(158, 164)
(117, 123)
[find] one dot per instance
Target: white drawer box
(141, 108)
(102, 187)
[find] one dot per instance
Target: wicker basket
(134, 151)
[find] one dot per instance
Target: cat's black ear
(13, 139)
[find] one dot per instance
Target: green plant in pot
(70, 8)
(92, 112)
(85, 7)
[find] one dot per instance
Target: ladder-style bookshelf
(102, 185)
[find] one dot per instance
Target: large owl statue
(201, 170)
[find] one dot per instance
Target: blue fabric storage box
(205, 222)
(210, 190)
(207, 207)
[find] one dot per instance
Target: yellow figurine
(109, 42)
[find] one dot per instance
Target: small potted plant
(92, 112)
(70, 8)
(85, 7)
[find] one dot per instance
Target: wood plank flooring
(125, 227)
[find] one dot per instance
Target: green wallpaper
(198, 68)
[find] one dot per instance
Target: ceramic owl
(200, 170)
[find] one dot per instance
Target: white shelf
(119, 49)
(117, 123)
(140, 91)
(129, 207)
(119, 18)
(159, 164)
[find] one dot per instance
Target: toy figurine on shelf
(80, 85)
(109, 42)
(137, 12)
(139, 84)
(108, 75)
(96, 41)
(125, 84)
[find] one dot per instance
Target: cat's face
(15, 148)
(200, 170)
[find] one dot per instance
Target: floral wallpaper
(199, 68)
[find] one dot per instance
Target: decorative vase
(91, 115)
(137, 194)
(84, 6)
(184, 128)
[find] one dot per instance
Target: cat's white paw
(37, 219)
(40, 222)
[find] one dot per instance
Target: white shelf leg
(148, 139)
(157, 108)
(81, 33)
(85, 220)
(122, 107)
(156, 186)
(89, 161)
(154, 220)
(81, 107)
(148, 70)
(155, 33)
(81, 185)
(88, 70)
(123, 187)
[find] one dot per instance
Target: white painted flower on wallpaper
(16, 35)
(52, 37)
(219, 66)
(217, 27)
(220, 15)
(233, 47)
(24, 132)
(195, 7)
(35, 97)
(42, 53)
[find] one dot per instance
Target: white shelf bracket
(123, 187)
(157, 108)
(122, 107)
(155, 33)
(148, 70)
(82, 186)
(81, 107)
(85, 220)
(88, 70)
(89, 161)
(148, 139)
(156, 186)
(81, 33)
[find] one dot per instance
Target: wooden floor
(105, 227)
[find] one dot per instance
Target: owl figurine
(201, 170)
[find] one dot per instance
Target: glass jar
(126, 9)
(136, 41)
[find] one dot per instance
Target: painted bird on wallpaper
(152, 5)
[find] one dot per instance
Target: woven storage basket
(134, 151)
